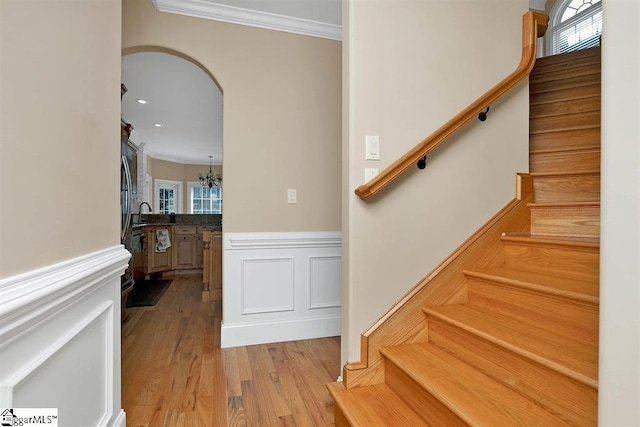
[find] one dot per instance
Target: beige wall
(60, 110)
(281, 115)
(163, 169)
(411, 66)
(619, 377)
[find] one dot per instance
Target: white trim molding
(248, 241)
(253, 18)
(281, 287)
(61, 325)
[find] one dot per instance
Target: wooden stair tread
(528, 238)
(578, 290)
(575, 359)
(590, 124)
(562, 174)
(474, 397)
(574, 98)
(563, 204)
(566, 150)
(375, 405)
(562, 108)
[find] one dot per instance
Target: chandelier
(210, 179)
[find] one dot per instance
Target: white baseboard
(121, 420)
(280, 331)
(281, 287)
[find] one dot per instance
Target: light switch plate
(370, 173)
(292, 195)
(372, 143)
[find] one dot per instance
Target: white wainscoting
(281, 287)
(60, 339)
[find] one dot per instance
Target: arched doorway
(175, 107)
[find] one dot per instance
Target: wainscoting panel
(324, 281)
(280, 287)
(60, 339)
(267, 285)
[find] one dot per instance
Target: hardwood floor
(175, 374)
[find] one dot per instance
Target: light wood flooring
(175, 374)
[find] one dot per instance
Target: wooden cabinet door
(185, 252)
(158, 261)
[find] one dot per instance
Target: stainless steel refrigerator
(128, 192)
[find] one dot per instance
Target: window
(168, 196)
(576, 24)
(204, 200)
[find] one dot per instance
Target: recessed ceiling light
(141, 101)
(158, 125)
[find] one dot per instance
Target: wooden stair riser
(585, 139)
(553, 313)
(565, 74)
(567, 188)
(562, 261)
(564, 397)
(559, 108)
(427, 406)
(545, 66)
(374, 406)
(582, 221)
(567, 122)
(586, 161)
(565, 93)
(562, 84)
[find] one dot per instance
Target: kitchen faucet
(140, 208)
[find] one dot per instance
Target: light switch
(372, 143)
(292, 195)
(370, 173)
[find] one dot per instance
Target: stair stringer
(405, 322)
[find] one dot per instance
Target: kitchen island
(190, 245)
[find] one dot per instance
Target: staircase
(522, 349)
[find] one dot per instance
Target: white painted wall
(619, 393)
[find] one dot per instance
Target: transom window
(204, 200)
(575, 7)
(577, 24)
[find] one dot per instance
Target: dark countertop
(208, 227)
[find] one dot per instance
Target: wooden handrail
(534, 25)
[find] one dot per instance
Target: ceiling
(182, 97)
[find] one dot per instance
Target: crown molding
(236, 15)
(537, 4)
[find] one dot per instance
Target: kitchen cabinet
(186, 247)
(158, 261)
(199, 250)
(212, 265)
(186, 251)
